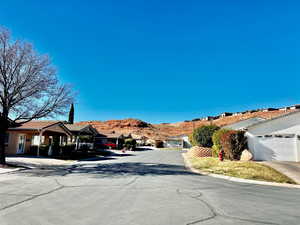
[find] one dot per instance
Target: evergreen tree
(71, 114)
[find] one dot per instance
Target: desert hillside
(163, 130)
(127, 126)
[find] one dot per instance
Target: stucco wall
(276, 148)
(12, 143)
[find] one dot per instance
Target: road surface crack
(31, 198)
(215, 213)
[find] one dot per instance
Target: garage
(281, 147)
(276, 139)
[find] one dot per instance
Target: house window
(36, 140)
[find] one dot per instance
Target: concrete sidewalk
(32, 161)
(290, 169)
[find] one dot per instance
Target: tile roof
(75, 127)
(82, 129)
(244, 124)
(275, 118)
(36, 124)
(110, 134)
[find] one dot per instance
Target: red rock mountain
(163, 130)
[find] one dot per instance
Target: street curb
(12, 170)
(235, 179)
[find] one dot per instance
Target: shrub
(191, 140)
(43, 150)
(130, 143)
(67, 150)
(233, 143)
(216, 148)
(202, 136)
(159, 144)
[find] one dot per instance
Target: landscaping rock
(198, 151)
(246, 155)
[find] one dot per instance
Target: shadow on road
(110, 170)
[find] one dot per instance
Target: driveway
(290, 169)
(142, 188)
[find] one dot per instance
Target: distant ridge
(161, 131)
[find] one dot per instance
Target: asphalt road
(145, 188)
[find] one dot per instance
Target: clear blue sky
(166, 61)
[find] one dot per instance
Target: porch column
(40, 139)
(77, 142)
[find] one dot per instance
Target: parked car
(110, 145)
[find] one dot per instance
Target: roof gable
(287, 123)
(244, 124)
(85, 128)
(39, 125)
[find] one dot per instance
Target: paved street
(145, 188)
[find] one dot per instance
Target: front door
(21, 144)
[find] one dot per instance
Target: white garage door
(275, 148)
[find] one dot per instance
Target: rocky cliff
(161, 131)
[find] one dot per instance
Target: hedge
(130, 143)
(202, 136)
(233, 143)
(216, 148)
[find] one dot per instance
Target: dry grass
(247, 170)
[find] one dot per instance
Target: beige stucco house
(29, 137)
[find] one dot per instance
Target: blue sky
(166, 61)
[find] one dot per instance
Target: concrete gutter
(235, 179)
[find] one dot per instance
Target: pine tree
(71, 114)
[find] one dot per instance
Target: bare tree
(29, 88)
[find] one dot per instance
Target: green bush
(233, 143)
(216, 138)
(43, 150)
(130, 143)
(191, 140)
(202, 136)
(67, 151)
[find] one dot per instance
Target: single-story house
(208, 118)
(83, 136)
(140, 139)
(285, 108)
(30, 137)
(180, 141)
(226, 114)
(295, 107)
(104, 138)
(244, 124)
(269, 109)
(276, 139)
(237, 114)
